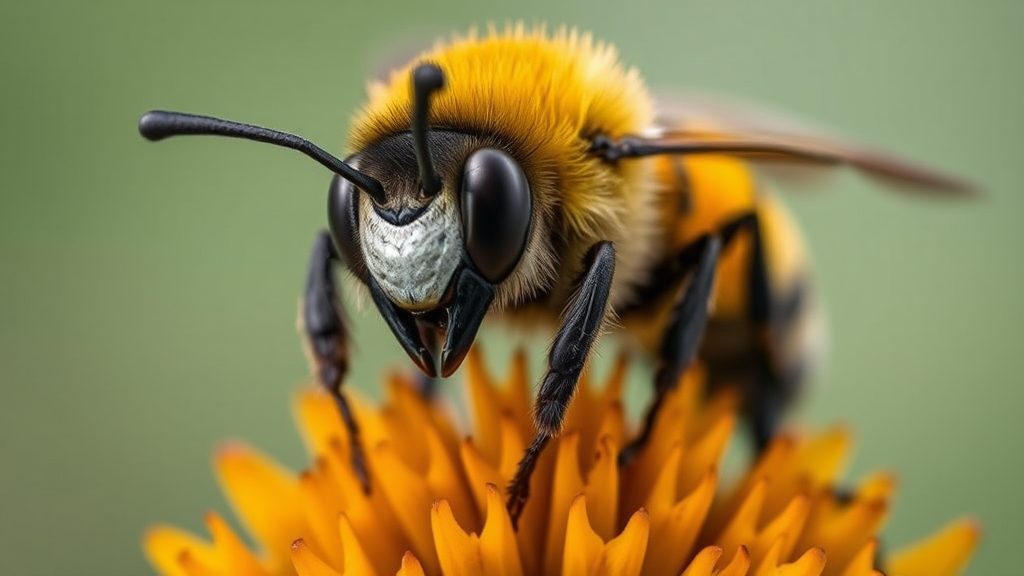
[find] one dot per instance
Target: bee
(532, 174)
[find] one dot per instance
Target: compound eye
(496, 209)
(343, 219)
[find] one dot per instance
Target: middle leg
(689, 316)
(683, 336)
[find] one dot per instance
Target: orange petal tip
(774, 484)
(816, 553)
(230, 448)
(409, 559)
(969, 528)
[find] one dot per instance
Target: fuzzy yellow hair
(544, 95)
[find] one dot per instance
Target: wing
(695, 126)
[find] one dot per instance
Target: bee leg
(772, 386)
(769, 397)
(323, 324)
(686, 327)
(580, 325)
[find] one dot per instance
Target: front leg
(323, 322)
(569, 352)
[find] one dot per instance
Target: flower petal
(532, 531)
(663, 493)
(368, 513)
(624, 555)
(943, 554)
(357, 563)
(739, 564)
(705, 454)
(815, 466)
(512, 445)
(879, 486)
(863, 562)
(458, 552)
(613, 425)
(515, 395)
(164, 546)
(703, 564)
(444, 478)
(479, 472)
(811, 563)
(232, 550)
(567, 484)
(194, 566)
(486, 407)
(408, 495)
(247, 478)
(723, 403)
(410, 566)
(588, 406)
(499, 550)
(770, 464)
(785, 505)
(583, 549)
(668, 431)
(602, 488)
(317, 413)
(409, 418)
(844, 532)
(742, 528)
(675, 532)
(783, 530)
(490, 402)
(320, 505)
(307, 563)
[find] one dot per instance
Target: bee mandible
(532, 174)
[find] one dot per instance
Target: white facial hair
(413, 263)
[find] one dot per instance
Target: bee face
(433, 262)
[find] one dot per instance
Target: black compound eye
(343, 219)
(496, 209)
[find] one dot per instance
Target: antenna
(427, 78)
(159, 124)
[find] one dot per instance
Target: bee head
(433, 221)
(451, 227)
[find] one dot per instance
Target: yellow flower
(436, 504)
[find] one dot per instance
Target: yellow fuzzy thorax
(541, 90)
(542, 95)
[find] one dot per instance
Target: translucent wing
(690, 125)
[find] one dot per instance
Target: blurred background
(148, 293)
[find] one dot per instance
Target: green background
(148, 293)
